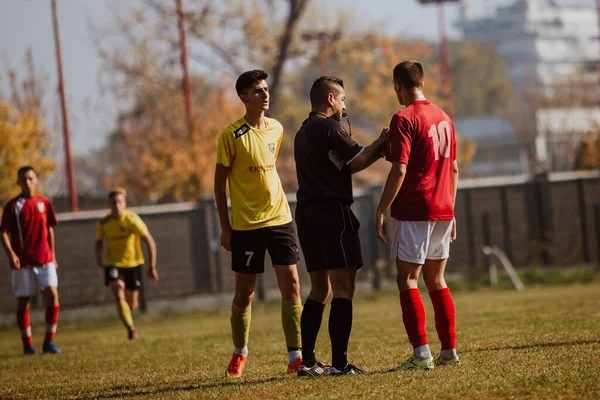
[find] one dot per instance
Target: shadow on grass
(14, 355)
(121, 393)
(532, 346)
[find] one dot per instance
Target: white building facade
(544, 43)
(541, 41)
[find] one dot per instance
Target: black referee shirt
(323, 151)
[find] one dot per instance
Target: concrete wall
(546, 219)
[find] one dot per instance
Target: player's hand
(453, 233)
(152, 274)
(381, 227)
(55, 265)
(15, 262)
(226, 239)
(384, 135)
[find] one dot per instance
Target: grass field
(539, 344)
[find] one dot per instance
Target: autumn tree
(587, 155)
(24, 136)
(365, 62)
(161, 163)
(480, 83)
(226, 38)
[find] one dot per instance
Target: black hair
(409, 74)
(249, 78)
(322, 87)
(24, 170)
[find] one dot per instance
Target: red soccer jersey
(27, 220)
(422, 137)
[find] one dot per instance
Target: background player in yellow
(123, 260)
(261, 218)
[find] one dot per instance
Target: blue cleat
(50, 347)
(29, 350)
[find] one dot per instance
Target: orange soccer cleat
(236, 366)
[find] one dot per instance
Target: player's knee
(23, 303)
(320, 292)
(243, 299)
(51, 295)
(344, 288)
(405, 282)
(435, 282)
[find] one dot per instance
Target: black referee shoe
(319, 369)
(349, 369)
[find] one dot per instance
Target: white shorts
(24, 280)
(417, 241)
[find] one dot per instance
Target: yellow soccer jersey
(257, 197)
(123, 239)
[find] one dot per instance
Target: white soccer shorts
(26, 280)
(417, 241)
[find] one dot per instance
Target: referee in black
(326, 157)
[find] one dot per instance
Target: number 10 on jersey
(442, 139)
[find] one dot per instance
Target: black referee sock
(310, 323)
(340, 325)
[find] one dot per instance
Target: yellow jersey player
(124, 230)
(261, 220)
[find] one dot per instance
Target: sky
(27, 24)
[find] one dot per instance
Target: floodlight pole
(445, 58)
(73, 202)
(187, 90)
(598, 15)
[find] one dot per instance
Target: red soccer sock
(24, 326)
(51, 321)
(445, 317)
(413, 315)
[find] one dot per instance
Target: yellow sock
(125, 314)
(291, 311)
(240, 325)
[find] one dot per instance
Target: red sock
(24, 326)
(445, 317)
(413, 315)
(51, 321)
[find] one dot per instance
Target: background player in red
(28, 238)
(421, 189)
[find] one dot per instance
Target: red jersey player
(28, 238)
(421, 189)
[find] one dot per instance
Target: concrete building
(542, 41)
(545, 43)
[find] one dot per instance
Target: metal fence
(547, 219)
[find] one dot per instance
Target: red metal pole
(187, 90)
(445, 59)
(598, 15)
(74, 205)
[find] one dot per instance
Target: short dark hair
(24, 170)
(249, 78)
(116, 191)
(322, 87)
(409, 74)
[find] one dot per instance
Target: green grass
(539, 344)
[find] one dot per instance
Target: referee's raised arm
(372, 152)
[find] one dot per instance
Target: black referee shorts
(248, 248)
(328, 233)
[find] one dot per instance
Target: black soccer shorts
(328, 233)
(132, 277)
(248, 248)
